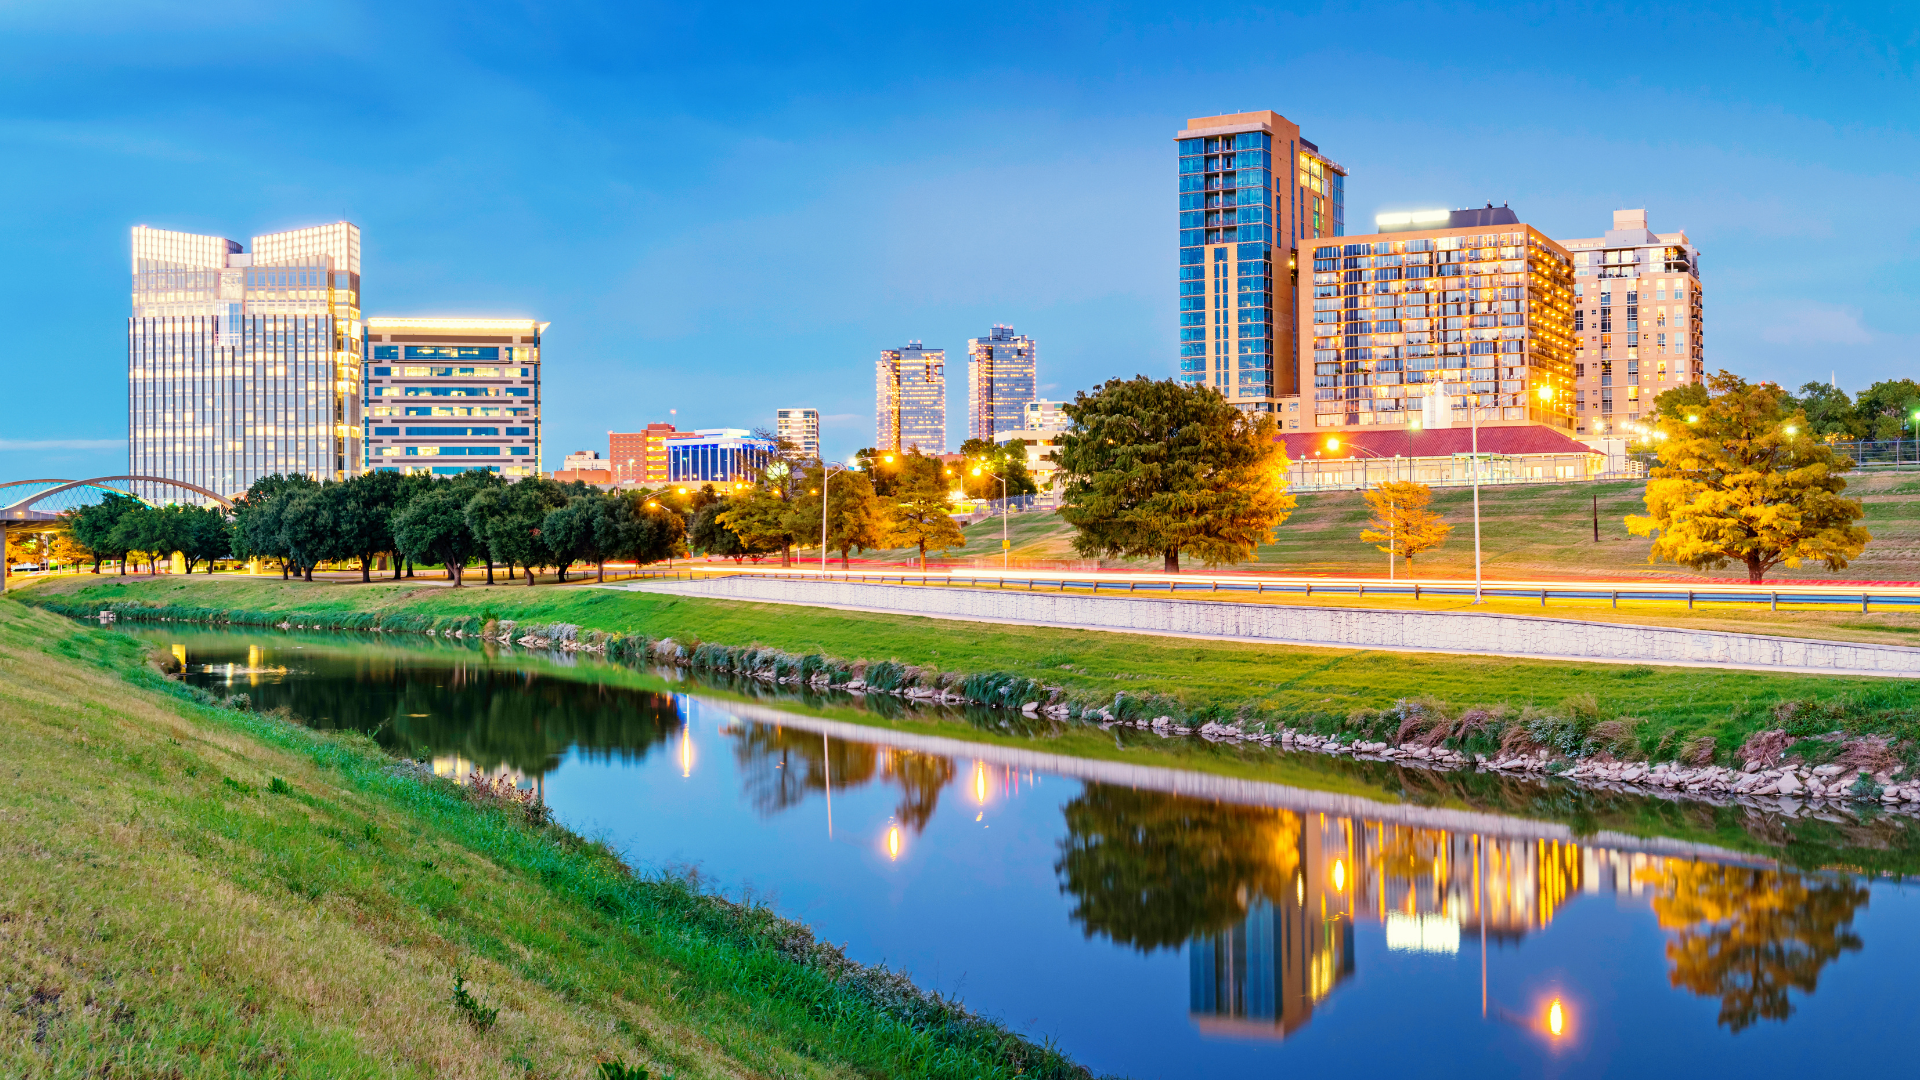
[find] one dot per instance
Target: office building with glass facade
(718, 456)
(1001, 372)
(1636, 321)
(445, 396)
(1252, 190)
(1449, 303)
(244, 364)
(910, 399)
(801, 427)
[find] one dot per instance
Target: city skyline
(609, 259)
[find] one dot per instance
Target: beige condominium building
(445, 396)
(1252, 191)
(244, 364)
(1462, 303)
(910, 399)
(1636, 321)
(801, 427)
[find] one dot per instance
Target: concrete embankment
(1408, 631)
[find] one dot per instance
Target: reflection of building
(445, 396)
(1001, 371)
(910, 399)
(241, 365)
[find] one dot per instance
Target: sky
(732, 209)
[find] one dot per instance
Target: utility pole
(1596, 517)
(1473, 413)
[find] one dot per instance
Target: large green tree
(94, 527)
(852, 512)
(258, 516)
(1887, 409)
(206, 534)
(433, 528)
(364, 514)
(919, 515)
(1162, 468)
(509, 520)
(987, 462)
(310, 526)
(761, 519)
(1742, 480)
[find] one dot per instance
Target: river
(1157, 922)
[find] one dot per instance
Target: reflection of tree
(781, 767)
(1749, 936)
(1152, 870)
(921, 777)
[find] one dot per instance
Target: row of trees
(899, 500)
(120, 528)
(1884, 410)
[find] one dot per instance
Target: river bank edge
(1815, 757)
(844, 1013)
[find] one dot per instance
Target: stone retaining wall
(1421, 631)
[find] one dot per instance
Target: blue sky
(728, 210)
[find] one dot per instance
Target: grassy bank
(194, 890)
(1527, 531)
(1323, 688)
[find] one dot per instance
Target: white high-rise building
(801, 427)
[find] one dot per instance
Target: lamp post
(1473, 418)
(1006, 547)
(827, 470)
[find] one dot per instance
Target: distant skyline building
(242, 365)
(801, 427)
(1636, 321)
(910, 399)
(639, 457)
(1252, 190)
(446, 396)
(1044, 415)
(1449, 303)
(718, 456)
(1002, 370)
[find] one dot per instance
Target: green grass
(1197, 679)
(1527, 531)
(197, 891)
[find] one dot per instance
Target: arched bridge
(39, 502)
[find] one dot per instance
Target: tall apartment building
(445, 396)
(801, 427)
(910, 399)
(1470, 300)
(639, 457)
(1252, 190)
(1044, 415)
(242, 365)
(1001, 372)
(1636, 321)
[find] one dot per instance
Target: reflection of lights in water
(1422, 933)
(980, 782)
(180, 654)
(1339, 875)
(893, 842)
(686, 752)
(1299, 888)
(1556, 1019)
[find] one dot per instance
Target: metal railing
(1864, 597)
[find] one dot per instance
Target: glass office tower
(910, 399)
(446, 396)
(244, 365)
(1251, 190)
(1001, 371)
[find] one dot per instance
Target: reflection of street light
(1556, 1018)
(893, 842)
(1339, 875)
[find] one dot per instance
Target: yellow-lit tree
(918, 515)
(1402, 525)
(1742, 479)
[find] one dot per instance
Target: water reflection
(1279, 907)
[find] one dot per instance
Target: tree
(995, 460)
(364, 516)
(1746, 483)
(588, 529)
(1402, 525)
(1829, 411)
(919, 515)
(882, 470)
(853, 512)
(1886, 409)
(761, 521)
(93, 527)
(257, 516)
(707, 534)
(508, 521)
(310, 527)
(649, 530)
(207, 534)
(433, 528)
(1158, 468)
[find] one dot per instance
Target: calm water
(1154, 930)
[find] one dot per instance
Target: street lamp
(1006, 548)
(827, 469)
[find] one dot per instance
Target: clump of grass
(481, 1017)
(278, 786)
(615, 1070)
